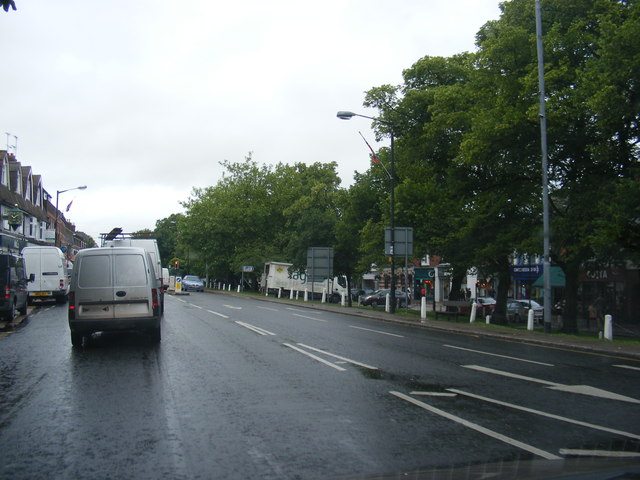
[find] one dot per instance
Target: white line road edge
(315, 357)
(377, 331)
(501, 356)
(478, 428)
(310, 318)
(599, 453)
(628, 366)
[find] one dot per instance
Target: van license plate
(42, 294)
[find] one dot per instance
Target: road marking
(478, 428)
(310, 318)
(581, 389)
(501, 356)
(270, 309)
(599, 453)
(377, 331)
(232, 307)
(628, 366)
(305, 310)
(324, 352)
(196, 306)
(315, 357)
(433, 394)
(218, 314)
(545, 414)
(259, 330)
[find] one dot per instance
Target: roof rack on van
(116, 234)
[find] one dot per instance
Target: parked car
(13, 286)
(379, 297)
(486, 305)
(192, 282)
(113, 289)
(515, 311)
(538, 310)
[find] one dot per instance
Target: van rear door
(94, 293)
(132, 295)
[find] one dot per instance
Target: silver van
(113, 288)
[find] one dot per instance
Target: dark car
(379, 297)
(13, 286)
(192, 282)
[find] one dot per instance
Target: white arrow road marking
(324, 352)
(478, 428)
(310, 318)
(628, 366)
(259, 330)
(545, 414)
(377, 331)
(218, 314)
(581, 389)
(315, 357)
(501, 356)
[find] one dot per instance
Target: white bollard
(229, 287)
(387, 305)
(608, 327)
(297, 294)
(238, 288)
(291, 294)
(280, 292)
(423, 308)
(306, 295)
(343, 300)
(474, 312)
(324, 296)
(488, 319)
(530, 319)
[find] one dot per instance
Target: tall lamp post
(345, 115)
(58, 192)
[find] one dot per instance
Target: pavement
(622, 348)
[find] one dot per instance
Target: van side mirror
(32, 277)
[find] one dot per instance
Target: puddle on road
(411, 382)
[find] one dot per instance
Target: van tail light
(72, 305)
(61, 284)
(7, 292)
(154, 297)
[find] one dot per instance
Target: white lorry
(115, 238)
(279, 278)
(49, 268)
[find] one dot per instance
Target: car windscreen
(94, 272)
(130, 271)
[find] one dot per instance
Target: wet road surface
(240, 388)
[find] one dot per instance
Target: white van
(49, 268)
(113, 289)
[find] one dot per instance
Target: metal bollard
(608, 327)
(530, 319)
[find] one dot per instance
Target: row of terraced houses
(28, 214)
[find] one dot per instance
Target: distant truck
(49, 268)
(115, 238)
(279, 275)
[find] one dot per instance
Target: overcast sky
(141, 100)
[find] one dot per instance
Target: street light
(58, 192)
(346, 115)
